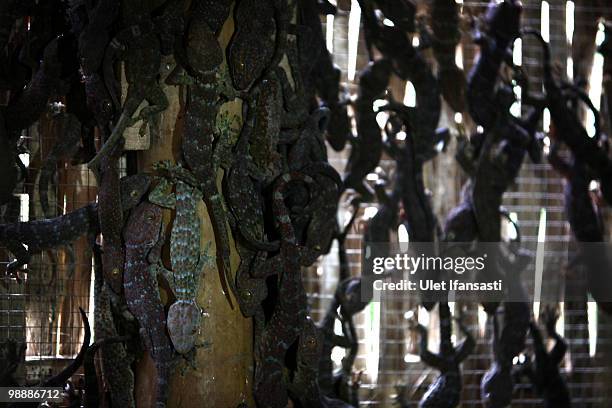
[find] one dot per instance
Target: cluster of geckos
(491, 157)
(278, 194)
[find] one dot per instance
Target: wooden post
(223, 373)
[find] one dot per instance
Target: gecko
(92, 43)
(143, 239)
(501, 27)
(141, 48)
(290, 310)
(304, 388)
(252, 47)
(543, 372)
(187, 259)
(367, 147)
(23, 239)
(92, 393)
(445, 36)
(321, 76)
(445, 391)
(569, 127)
(208, 87)
(584, 217)
(116, 362)
(110, 218)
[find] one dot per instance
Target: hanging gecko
(244, 185)
(142, 235)
(497, 383)
(203, 144)
(304, 388)
(23, 239)
(115, 362)
(290, 311)
(367, 147)
(544, 371)
(501, 21)
(446, 390)
(92, 393)
(445, 36)
(92, 43)
(27, 107)
(110, 218)
(187, 259)
(253, 44)
(570, 129)
(142, 49)
(585, 220)
(321, 76)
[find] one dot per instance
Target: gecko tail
(219, 220)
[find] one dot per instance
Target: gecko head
(204, 54)
(310, 344)
(248, 53)
(184, 318)
(133, 188)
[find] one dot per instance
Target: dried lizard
(252, 47)
(202, 58)
(92, 43)
(304, 388)
(446, 390)
(116, 362)
(289, 315)
(142, 49)
(445, 38)
(142, 235)
(187, 259)
(92, 393)
(367, 148)
(501, 23)
(545, 376)
(55, 232)
(110, 216)
(569, 127)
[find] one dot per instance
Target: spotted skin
(446, 35)
(290, 311)
(110, 216)
(208, 88)
(39, 235)
(142, 235)
(115, 360)
(187, 259)
(252, 47)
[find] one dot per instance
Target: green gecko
(187, 259)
